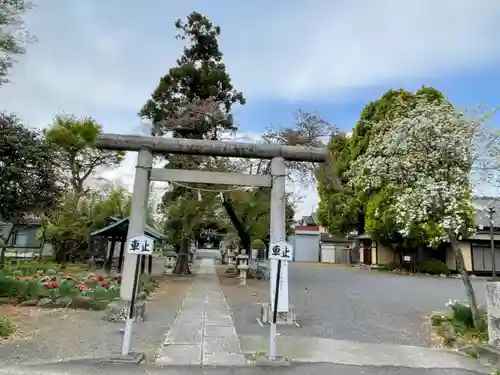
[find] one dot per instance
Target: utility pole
(491, 212)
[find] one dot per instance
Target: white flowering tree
(425, 161)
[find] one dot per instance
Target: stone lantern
(230, 256)
(170, 261)
(243, 267)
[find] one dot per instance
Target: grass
(456, 327)
(6, 327)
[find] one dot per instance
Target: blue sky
(104, 58)
(467, 88)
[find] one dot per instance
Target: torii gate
(147, 146)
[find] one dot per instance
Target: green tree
(343, 207)
(72, 139)
(193, 100)
(184, 219)
(28, 181)
(199, 79)
(427, 154)
(338, 208)
(249, 210)
(13, 36)
(69, 225)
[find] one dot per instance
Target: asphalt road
(360, 305)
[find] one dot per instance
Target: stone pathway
(203, 332)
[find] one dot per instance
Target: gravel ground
(350, 304)
(62, 334)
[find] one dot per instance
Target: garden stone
(82, 302)
(4, 300)
(118, 311)
(44, 302)
(286, 318)
(64, 301)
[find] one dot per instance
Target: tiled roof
(308, 220)
(315, 217)
(326, 237)
(482, 204)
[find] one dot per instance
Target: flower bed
(57, 289)
(42, 283)
(456, 328)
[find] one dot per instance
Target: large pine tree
(197, 86)
(193, 100)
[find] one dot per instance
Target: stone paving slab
(224, 321)
(203, 332)
(217, 331)
(181, 355)
(185, 333)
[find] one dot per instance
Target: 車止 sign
(280, 250)
(140, 245)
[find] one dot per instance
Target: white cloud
(94, 58)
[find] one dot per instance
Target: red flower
(100, 278)
(51, 284)
(106, 284)
(83, 287)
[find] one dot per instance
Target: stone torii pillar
(137, 221)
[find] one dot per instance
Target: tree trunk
(469, 290)
(182, 264)
(4, 247)
(245, 237)
(61, 255)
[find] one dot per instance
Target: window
(26, 237)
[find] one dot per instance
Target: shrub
(6, 327)
(12, 288)
(34, 291)
(391, 266)
(30, 267)
(463, 314)
(258, 245)
(147, 284)
(434, 267)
